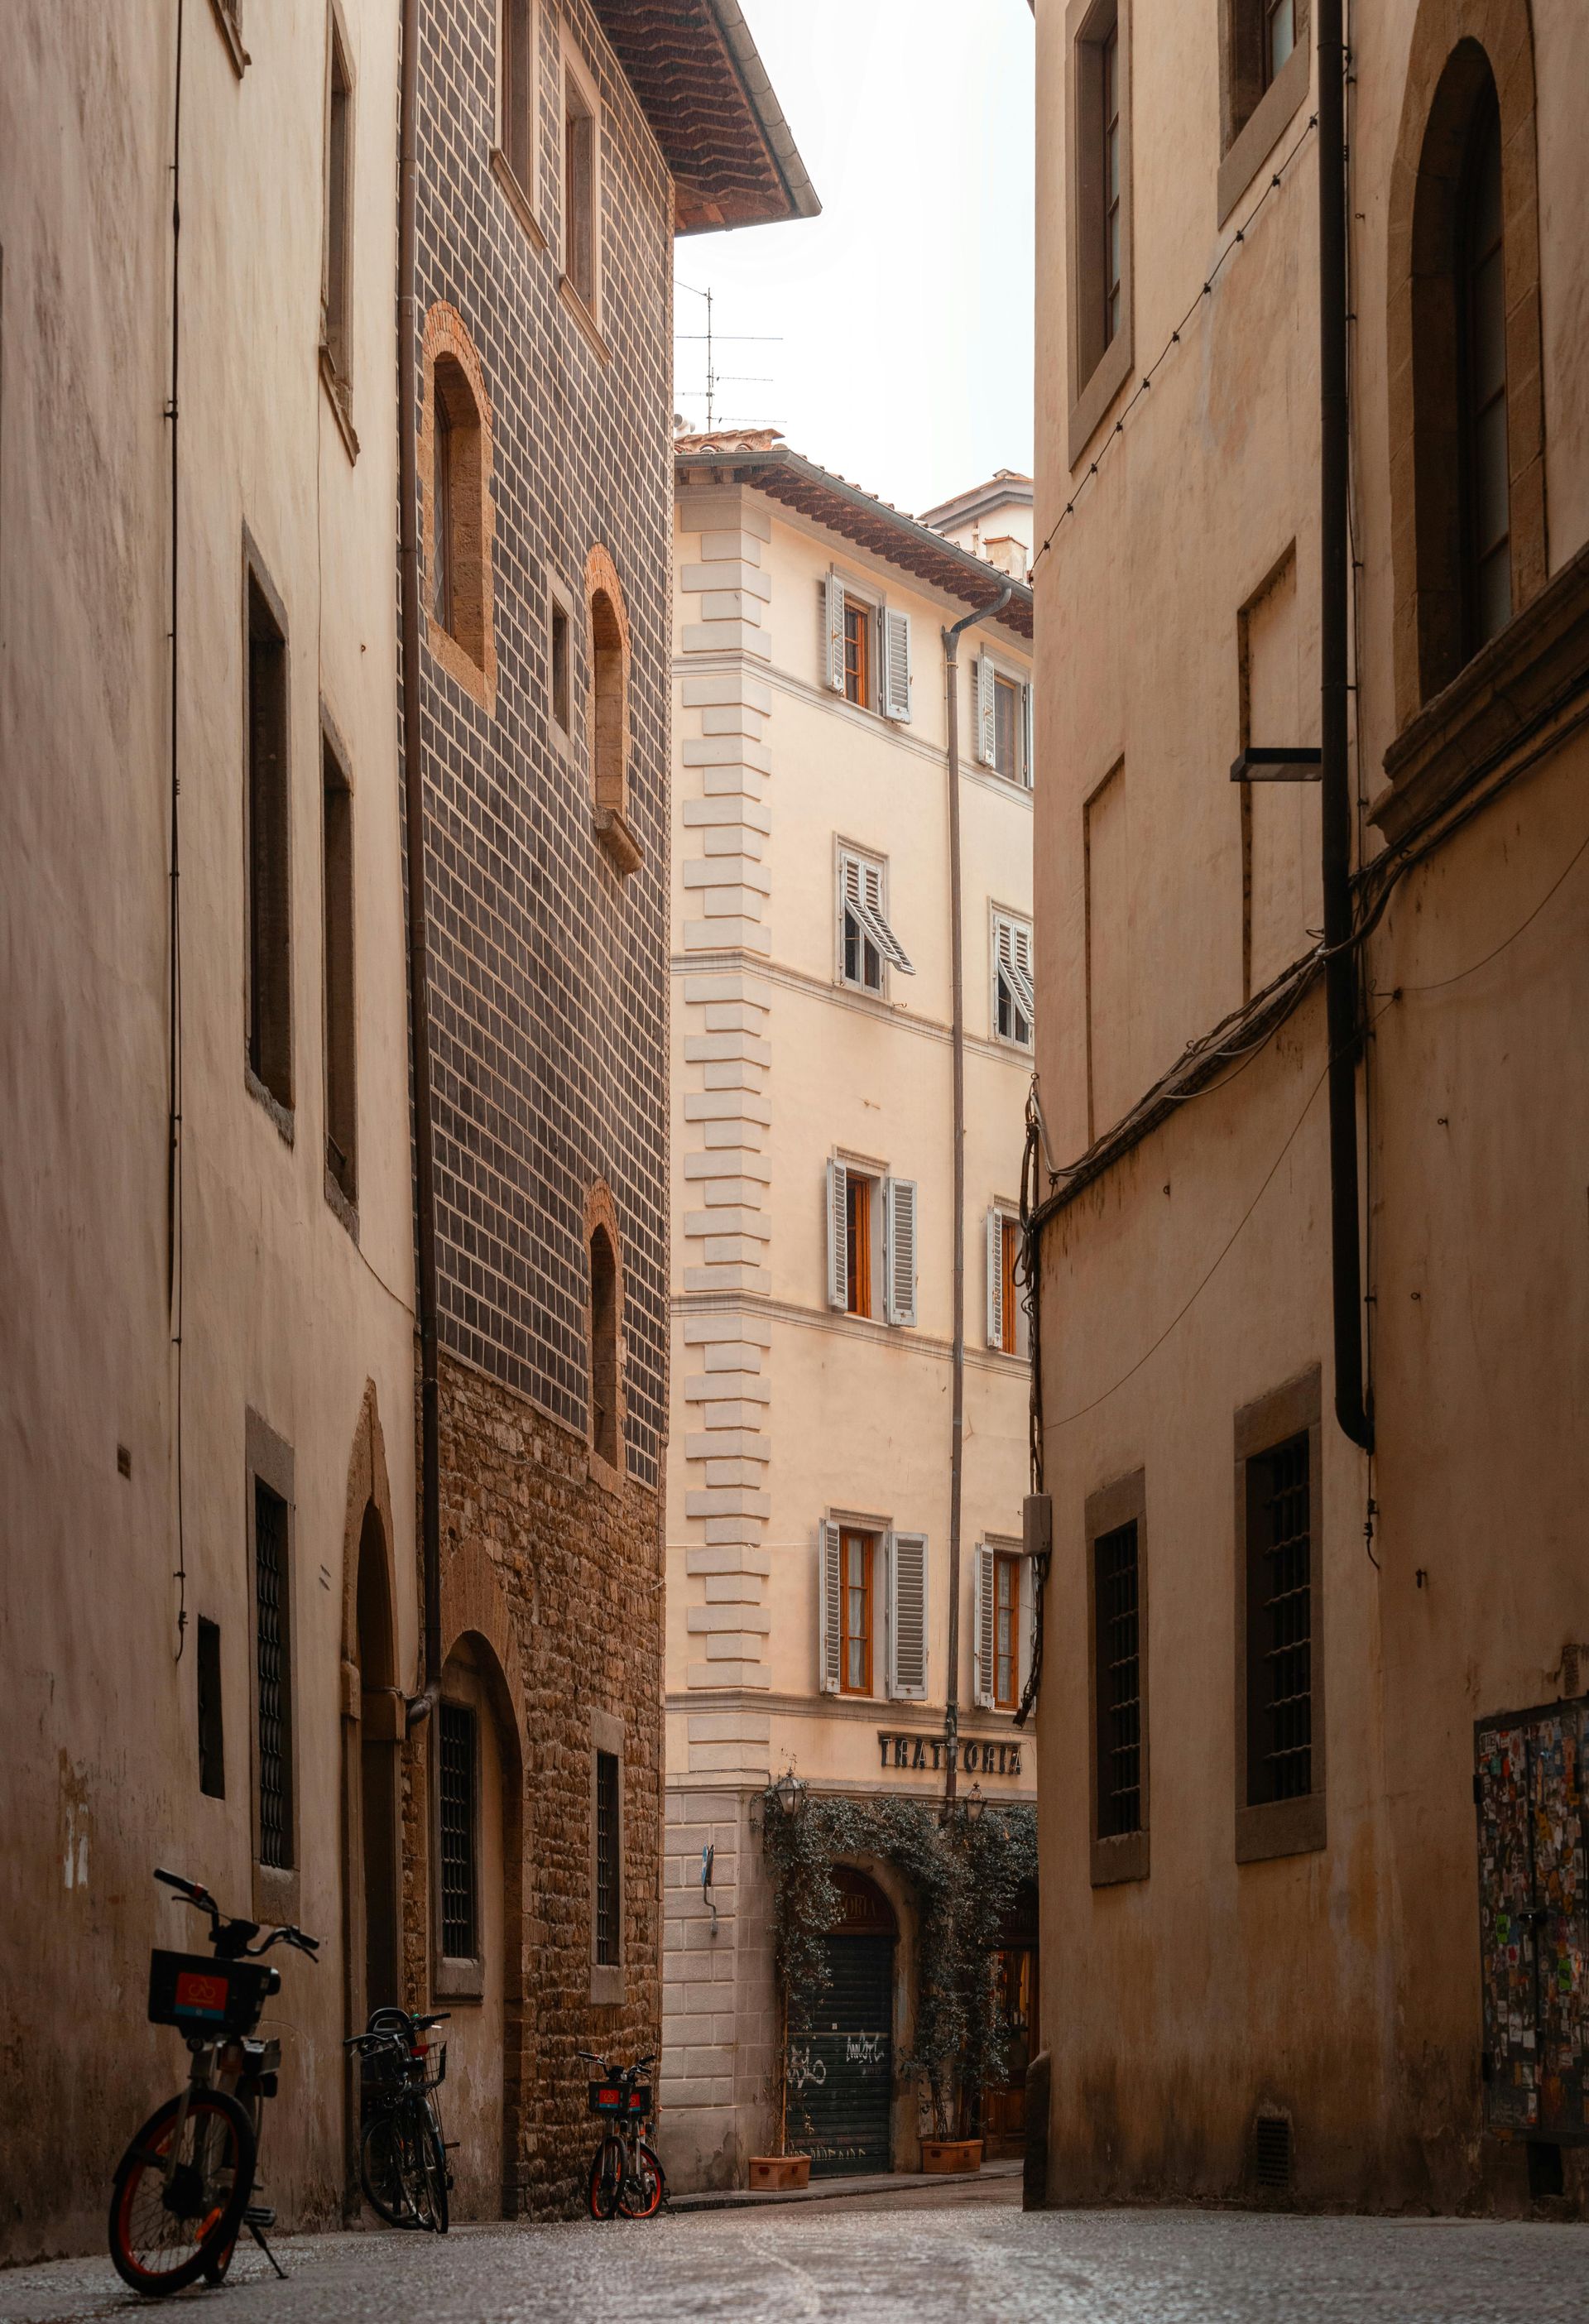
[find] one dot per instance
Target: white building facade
(809, 1480)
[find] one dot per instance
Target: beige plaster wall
(283, 1312)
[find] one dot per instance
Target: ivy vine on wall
(963, 1878)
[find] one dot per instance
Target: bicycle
(182, 2191)
(403, 2154)
(625, 2175)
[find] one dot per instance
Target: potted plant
(780, 2172)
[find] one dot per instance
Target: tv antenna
(716, 379)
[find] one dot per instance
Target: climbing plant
(963, 1878)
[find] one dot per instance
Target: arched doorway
(841, 2063)
(376, 1863)
(1017, 1993)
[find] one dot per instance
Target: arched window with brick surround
(606, 631)
(455, 473)
(1466, 407)
(606, 1332)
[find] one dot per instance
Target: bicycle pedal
(259, 2214)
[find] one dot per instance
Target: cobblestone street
(919, 2259)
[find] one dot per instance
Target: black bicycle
(183, 2191)
(626, 2176)
(403, 2154)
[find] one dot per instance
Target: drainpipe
(951, 638)
(418, 980)
(1343, 1031)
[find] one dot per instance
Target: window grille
(212, 1757)
(272, 1676)
(1118, 1681)
(607, 1898)
(459, 1940)
(1272, 2150)
(1279, 1616)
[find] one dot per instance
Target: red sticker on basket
(609, 2097)
(205, 1996)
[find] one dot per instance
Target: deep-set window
(607, 1900)
(579, 186)
(459, 1747)
(1280, 36)
(336, 335)
(603, 1349)
(212, 1750)
(1099, 219)
(1481, 286)
(1109, 158)
(561, 667)
(1117, 1677)
(269, 887)
(517, 100)
(857, 1554)
(1280, 1623)
(338, 969)
(273, 1677)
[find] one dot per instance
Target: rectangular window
(858, 619)
(1280, 36)
(1006, 726)
(1010, 1293)
(1280, 1607)
(867, 943)
(460, 1938)
(855, 1613)
(1006, 1630)
(561, 706)
(1117, 1648)
(212, 1752)
(335, 333)
(579, 188)
(1110, 191)
(337, 873)
(608, 1902)
(269, 930)
(1099, 222)
(860, 1195)
(446, 496)
(1015, 1001)
(272, 1676)
(518, 90)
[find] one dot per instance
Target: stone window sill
(606, 1986)
(584, 316)
(339, 395)
(1528, 674)
(1269, 116)
(615, 835)
(231, 32)
(515, 197)
(602, 1473)
(1280, 1827)
(347, 1212)
(1118, 1860)
(461, 1980)
(1109, 375)
(281, 1115)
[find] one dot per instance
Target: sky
(890, 339)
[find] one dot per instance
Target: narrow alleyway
(875, 2261)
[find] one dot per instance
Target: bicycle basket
(640, 2102)
(430, 2067)
(205, 1997)
(386, 2070)
(609, 2098)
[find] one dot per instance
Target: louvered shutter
(987, 747)
(907, 1601)
(896, 664)
(866, 897)
(834, 612)
(899, 1226)
(985, 1638)
(829, 1602)
(839, 1236)
(1026, 1619)
(995, 1251)
(1014, 951)
(1026, 737)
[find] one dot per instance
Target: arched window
(1465, 404)
(454, 457)
(604, 1417)
(608, 732)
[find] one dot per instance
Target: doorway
(841, 2063)
(378, 1852)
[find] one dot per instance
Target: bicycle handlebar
(194, 1893)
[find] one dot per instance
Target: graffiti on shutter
(1528, 1789)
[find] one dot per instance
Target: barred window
(608, 1900)
(1118, 1682)
(1279, 1624)
(459, 1873)
(273, 1677)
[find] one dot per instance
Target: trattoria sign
(937, 1752)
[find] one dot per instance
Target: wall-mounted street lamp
(1277, 763)
(976, 1806)
(789, 1793)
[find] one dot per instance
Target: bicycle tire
(644, 2191)
(433, 2170)
(215, 2268)
(607, 2178)
(384, 2174)
(203, 2220)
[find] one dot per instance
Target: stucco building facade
(1312, 1713)
(808, 1525)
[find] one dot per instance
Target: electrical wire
(1441, 983)
(1148, 377)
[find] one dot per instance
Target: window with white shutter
(1007, 1319)
(899, 1274)
(832, 610)
(1023, 1668)
(829, 1609)
(996, 1283)
(896, 664)
(1027, 736)
(1014, 1006)
(867, 945)
(838, 1204)
(987, 737)
(906, 1617)
(983, 1627)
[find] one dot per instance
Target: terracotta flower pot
(773, 2173)
(951, 2154)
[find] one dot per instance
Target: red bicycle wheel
(607, 2178)
(171, 2215)
(643, 2187)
